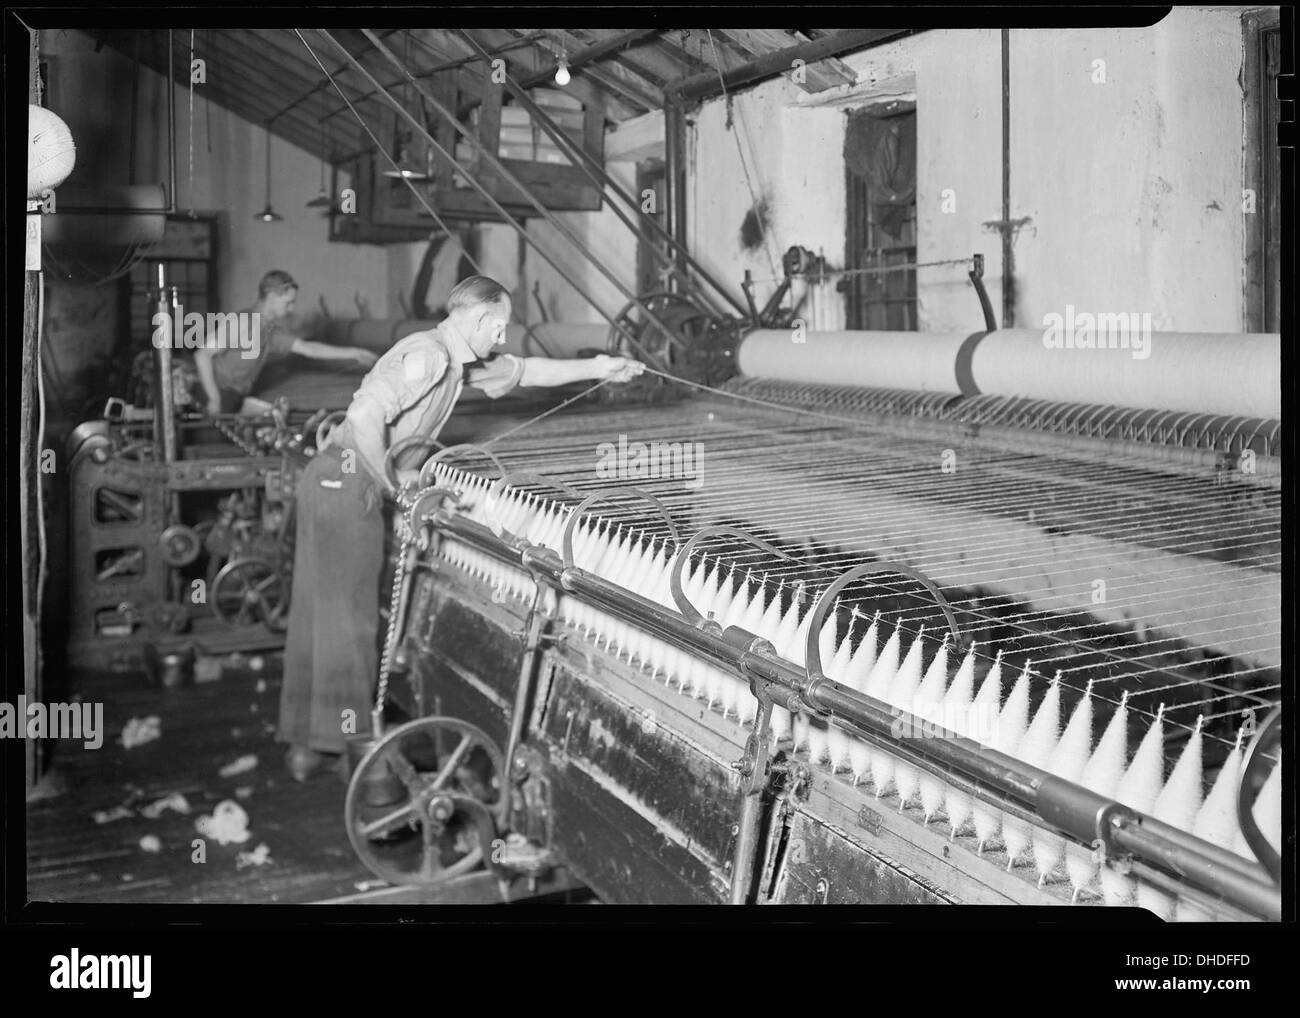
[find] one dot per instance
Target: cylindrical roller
(879, 360)
(1227, 374)
(1187, 372)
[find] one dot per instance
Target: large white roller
(1229, 374)
(882, 360)
(1204, 373)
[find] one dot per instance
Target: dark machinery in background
(177, 541)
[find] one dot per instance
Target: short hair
(275, 281)
(475, 290)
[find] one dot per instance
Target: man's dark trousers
(331, 661)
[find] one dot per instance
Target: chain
(407, 529)
(232, 433)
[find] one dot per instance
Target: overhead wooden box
(387, 210)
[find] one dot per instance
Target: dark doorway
(880, 184)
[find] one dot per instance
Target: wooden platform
(203, 728)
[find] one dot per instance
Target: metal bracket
(688, 610)
(399, 447)
(1252, 779)
(813, 656)
(608, 497)
(445, 453)
(417, 516)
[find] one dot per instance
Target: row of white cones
(886, 673)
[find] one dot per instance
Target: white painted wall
(1133, 187)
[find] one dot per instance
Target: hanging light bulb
(405, 169)
(268, 214)
(562, 76)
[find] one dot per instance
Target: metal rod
(427, 72)
(537, 620)
(597, 174)
(171, 126)
(751, 805)
(1008, 255)
(675, 176)
(164, 413)
(1072, 809)
(713, 82)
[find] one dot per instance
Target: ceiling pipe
(707, 84)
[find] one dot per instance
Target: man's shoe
(304, 763)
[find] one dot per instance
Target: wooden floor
(203, 728)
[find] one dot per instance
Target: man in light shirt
(330, 655)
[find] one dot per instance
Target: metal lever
(977, 280)
(753, 768)
(447, 452)
(813, 656)
(397, 448)
(608, 497)
(1252, 779)
(684, 606)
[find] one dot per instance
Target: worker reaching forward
(330, 655)
(229, 376)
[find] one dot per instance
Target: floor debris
(138, 731)
(175, 801)
(259, 856)
(227, 824)
(245, 763)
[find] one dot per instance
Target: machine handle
(1252, 779)
(397, 448)
(448, 451)
(679, 596)
(813, 655)
(608, 497)
(977, 280)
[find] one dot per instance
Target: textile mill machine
(888, 618)
(835, 617)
